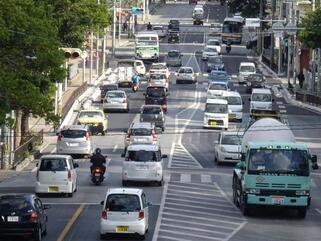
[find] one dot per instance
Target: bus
(232, 30)
(147, 45)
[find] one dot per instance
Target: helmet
(98, 151)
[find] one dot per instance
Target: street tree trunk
(24, 123)
(17, 130)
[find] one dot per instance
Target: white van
(56, 174)
(138, 65)
(143, 162)
(246, 69)
(198, 10)
(261, 99)
(125, 211)
(235, 104)
(216, 114)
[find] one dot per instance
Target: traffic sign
(291, 28)
(278, 28)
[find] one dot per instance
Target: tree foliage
(311, 35)
(248, 8)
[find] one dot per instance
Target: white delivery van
(198, 10)
(235, 104)
(261, 99)
(216, 114)
(246, 69)
(137, 64)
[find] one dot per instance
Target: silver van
(143, 162)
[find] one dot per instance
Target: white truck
(124, 76)
(274, 169)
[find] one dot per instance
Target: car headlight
(222, 149)
(302, 193)
(270, 105)
(253, 191)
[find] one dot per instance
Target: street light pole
(119, 22)
(280, 41)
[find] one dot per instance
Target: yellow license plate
(213, 123)
(232, 116)
(122, 228)
(53, 189)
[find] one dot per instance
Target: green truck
(274, 169)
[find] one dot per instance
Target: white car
(125, 211)
(235, 104)
(216, 114)
(209, 52)
(143, 162)
(216, 89)
(56, 174)
(160, 31)
(214, 43)
(158, 80)
(116, 100)
(186, 74)
(228, 147)
(159, 68)
(246, 69)
(261, 99)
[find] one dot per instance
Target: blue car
(218, 76)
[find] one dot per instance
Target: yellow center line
(71, 222)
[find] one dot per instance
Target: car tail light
(128, 136)
(154, 136)
(59, 137)
(69, 175)
(33, 216)
(141, 215)
(125, 101)
(104, 214)
(88, 136)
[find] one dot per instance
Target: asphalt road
(195, 202)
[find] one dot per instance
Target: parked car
(218, 76)
(56, 174)
(209, 52)
(235, 104)
(160, 31)
(214, 43)
(75, 140)
(105, 88)
(153, 114)
(141, 132)
(143, 163)
(125, 211)
(22, 215)
(116, 100)
(156, 95)
(215, 63)
(158, 80)
(255, 81)
(186, 75)
(95, 119)
(216, 89)
(174, 58)
(228, 147)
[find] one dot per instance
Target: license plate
(13, 219)
(73, 144)
(121, 228)
(213, 123)
(97, 174)
(277, 200)
(142, 167)
(232, 116)
(53, 189)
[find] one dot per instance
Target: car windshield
(186, 71)
(231, 140)
(218, 76)
(213, 42)
(90, 114)
(142, 156)
(11, 204)
(156, 92)
(152, 110)
(234, 100)
(115, 95)
(73, 133)
(53, 165)
(158, 76)
(257, 78)
(216, 108)
(210, 50)
(261, 97)
(215, 60)
(109, 87)
(216, 86)
(158, 66)
(247, 69)
(279, 161)
(125, 64)
(141, 132)
(123, 203)
(173, 54)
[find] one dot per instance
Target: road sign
(291, 28)
(278, 28)
(252, 22)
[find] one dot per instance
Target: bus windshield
(146, 41)
(232, 26)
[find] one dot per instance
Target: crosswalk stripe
(282, 111)
(193, 229)
(279, 102)
(206, 178)
(281, 106)
(186, 177)
(189, 234)
(172, 238)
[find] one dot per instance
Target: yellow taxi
(95, 119)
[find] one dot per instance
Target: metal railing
(308, 97)
(26, 149)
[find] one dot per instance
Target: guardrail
(25, 149)
(307, 97)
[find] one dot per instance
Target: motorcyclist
(98, 160)
(228, 47)
(136, 79)
(149, 26)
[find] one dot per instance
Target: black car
(153, 114)
(215, 63)
(255, 81)
(198, 19)
(173, 25)
(156, 95)
(22, 215)
(173, 37)
(105, 88)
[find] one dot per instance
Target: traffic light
(136, 11)
(285, 42)
(72, 53)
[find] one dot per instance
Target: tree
(311, 35)
(75, 18)
(248, 8)
(30, 60)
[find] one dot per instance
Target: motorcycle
(97, 175)
(135, 87)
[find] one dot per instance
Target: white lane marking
(195, 193)
(235, 231)
(115, 148)
(281, 106)
(186, 177)
(193, 229)
(198, 202)
(197, 65)
(224, 195)
(53, 150)
(318, 210)
(192, 235)
(279, 102)
(206, 178)
(313, 184)
(171, 155)
(282, 111)
(186, 196)
(199, 188)
(172, 238)
(189, 60)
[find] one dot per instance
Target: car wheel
(163, 129)
(103, 133)
(103, 236)
(69, 194)
(235, 197)
(302, 211)
(141, 237)
(38, 234)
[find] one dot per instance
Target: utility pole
(91, 57)
(119, 21)
(260, 36)
(272, 43)
(114, 30)
(280, 41)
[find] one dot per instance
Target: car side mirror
(46, 206)
(164, 156)
(249, 99)
(240, 165)
(76, 165)
(314, 161)
(123, 155)
(102, 202)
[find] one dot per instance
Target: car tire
(37, 236)
(103, 133)
(302, 211)
(141, 237)
(69, 194)
(103, 236)
(234, 188)
(163, 129)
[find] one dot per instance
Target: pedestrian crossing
(196, 211)
(181, 158)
